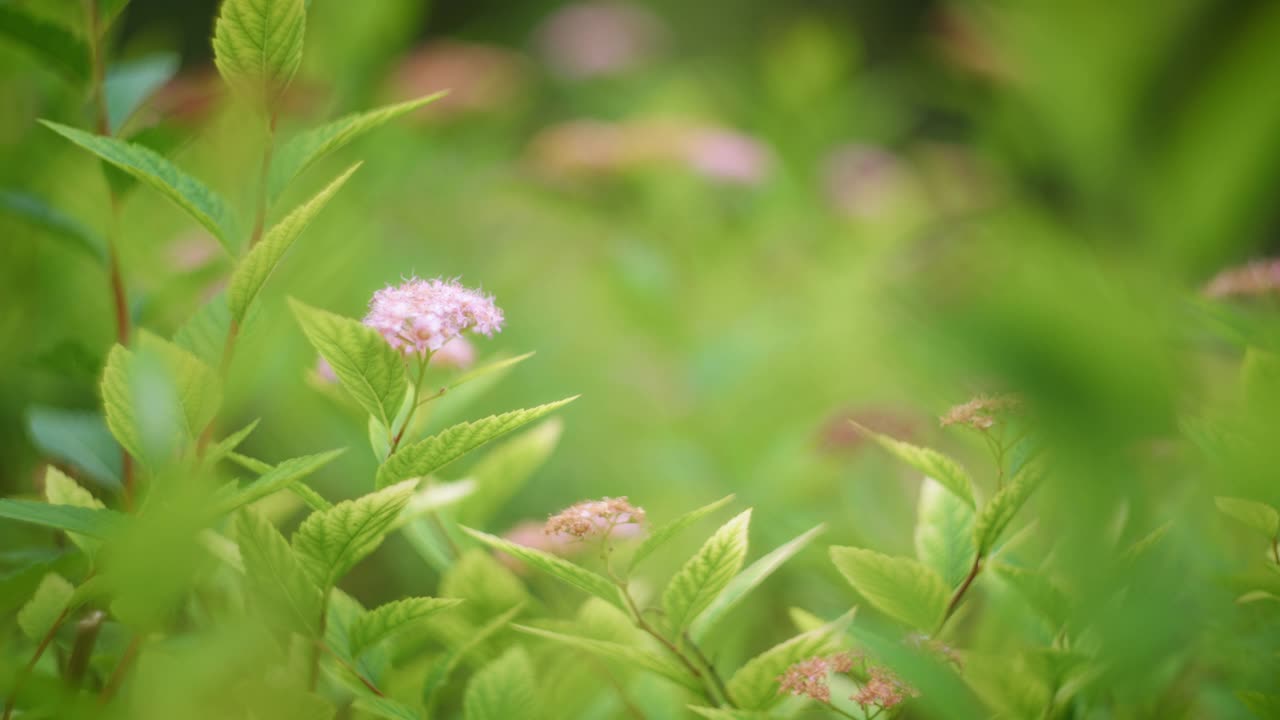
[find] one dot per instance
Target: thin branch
(960, 592)
(81, 652)
(711, 669)
(350, 668)
(117, 677)
(31, 664)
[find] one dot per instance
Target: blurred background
(731, 225)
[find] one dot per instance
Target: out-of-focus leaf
(428, 455)
(257, 46)
(370, 369)
(1041, 594)
(561, 569)
(80, 439)
(631, 655)
(330, 542)
(660, 536)
(706, 574)
(501, 472)
(128, 84)
(394, 617)
(949, 473)
(1259, 516)
(278, 478)
(94, 523)
(40, 613)
(748, 580)
(62, 490)
(445, 666)
(224, 447)
(755, 686)
(53, 221)
(56, 47)
(301, 151)
(255, 269)
(505, 688)
(498, 366)
(899, 587)
(998, 512)
(276, 575)
(433, 497)
(944, 533)
(193, 196)
(386, 708)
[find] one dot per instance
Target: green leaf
(54, 221)
(301, 151)
(55, 46)
(42, 611)
(256, 268)
(747, 580)
(190, 194)
(561, 569)
(386, 708)
(85, 521)
(332, 541)
(426, 456)
(277, 579)
(660, 536)
(504, 469)
(628, 654)
(949, 473)
(370, 369)
(996, 515)
(204, 334)
(503, 689)
(944, 533)
(257, 46)
(696, 585)
(1040, 593)
(381, 622)
(62, 490)
(726, 714)
(224, 447)
(755, 686)
(433, 497)
(488, 587)
(79, 439)
(498, 366)
(1259, 516)
(899, 587)
(283, 475)
(445, 666)
(128, 84)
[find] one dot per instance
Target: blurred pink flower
(457, 353)
(591, 39)
(1260, 277)
(324, 371)
(727, 156)
(531, 534)
(597, 518)
(421, 316)
(192, 251)
(478, 77)
(860, 180)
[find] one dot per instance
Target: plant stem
(315, 656)
(86, 638)
(706, 663)
(35, 657)
(838, 711)
(349, 668)
(413, 403)
(1275, 548)
(117, 677)
(960, 591)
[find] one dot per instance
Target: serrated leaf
(559, 568)
(370, 369)
(62, 490)
(899, 587)
(301, 151)
(257, 46)
(445, 666)
(40, 613)
(503, 689)
(1259, 516)
(332, 541)
(949, 473)
(163, 140)
(504, 469)
(944, 533)
(747, 580)
(204, 334)
(629, 654)
(56, 47)
(203, 204)
(998, 512)
(428, 455)
(79, 439)
(381, 622)
(1039, 592)
(256, 268)
(94, 523)
(55, 222)
(755, 686)
(276, 575)
(660, 536)
(128, 84)
(224, 447)
(285, 474)
(488, 587)
(434, 497)
(700, 580)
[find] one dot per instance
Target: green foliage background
(1062, 181)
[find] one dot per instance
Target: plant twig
(711, 669)
(117, 677)
(349, 668)
(960, 592)
(31, 664)
(86, 638)
(315, 656)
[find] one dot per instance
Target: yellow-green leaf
(949, 473)
(899, 587)
(257, 46)
(700, 580)
(331, 542)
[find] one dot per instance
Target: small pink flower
(809, 678)
(596, 518)
(860, 181)
(531, 534)
(324, 371)
(591, 39)
(478, 78)
(727, 156)
(883, 689)
(457, 353)
(1260, 277)
(421, 316)
(981, 412)
(192, 251)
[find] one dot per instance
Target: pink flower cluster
(809, 678)
(883, 689)
(596, 518)
(420, 316)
